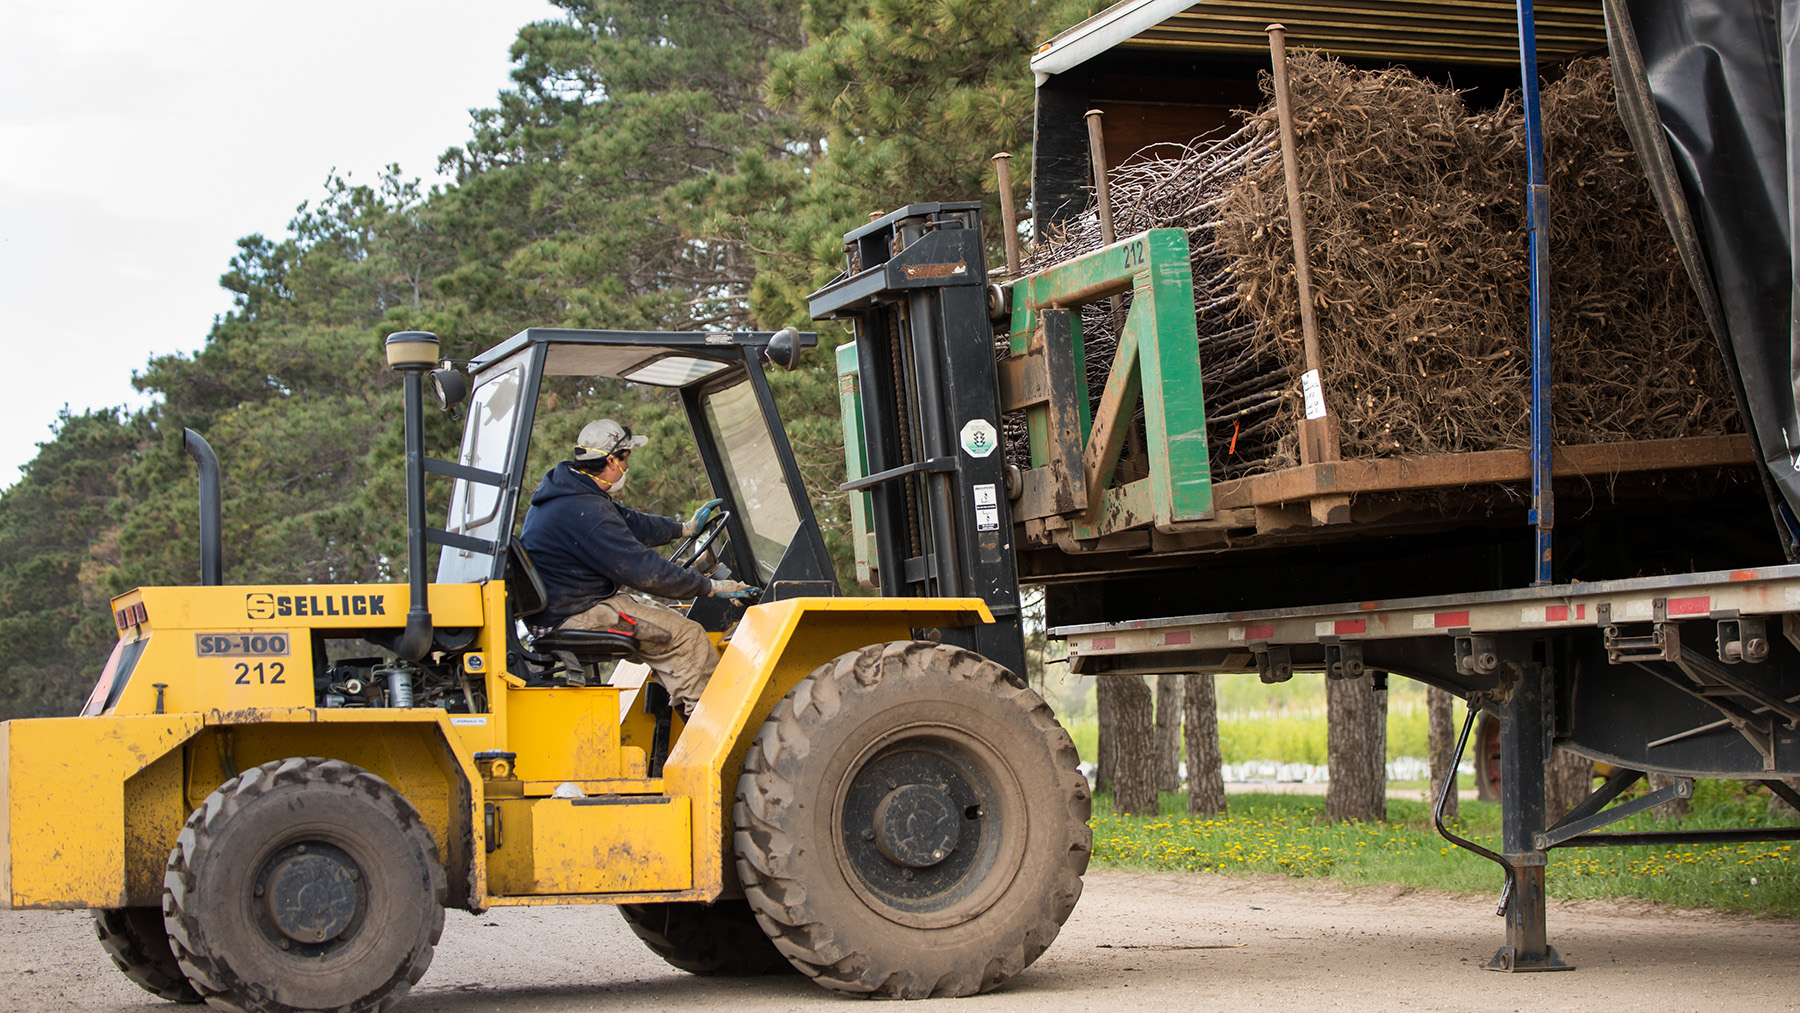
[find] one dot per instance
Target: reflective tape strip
(1690, 606)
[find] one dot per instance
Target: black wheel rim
(310, 898)
(930, 826)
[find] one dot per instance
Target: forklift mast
(914, 289)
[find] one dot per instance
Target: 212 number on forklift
(270, 676)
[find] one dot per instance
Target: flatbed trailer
(1695, 674)
(1662, 634)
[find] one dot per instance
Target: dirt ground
(1135, 941)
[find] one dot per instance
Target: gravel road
(1136, 941)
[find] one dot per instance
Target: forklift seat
(579, 650)
(587, 647)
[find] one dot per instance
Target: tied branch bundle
(1416, 232)
(1244, 373)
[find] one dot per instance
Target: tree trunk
(1673, 809)
(1168, 733)
(1356, 750)
(1134, 746)
(1200, 722)
(1567, 780)
(1441, 712)
(1777, 805)
(1106, 753)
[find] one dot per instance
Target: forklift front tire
(304, 884)
(911, 823)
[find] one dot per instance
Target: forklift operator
(589, 549)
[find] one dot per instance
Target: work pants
(675, 647)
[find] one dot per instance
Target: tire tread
(766, 792)
(204, 968)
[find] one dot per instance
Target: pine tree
(1200, 709)
(1134, 741)
(1356, 749)
(1168, 732)
(59, 547)
(667, 165)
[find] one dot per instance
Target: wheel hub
(916, 825)
(311, 892)
(927, 835)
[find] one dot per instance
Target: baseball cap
(604, 437)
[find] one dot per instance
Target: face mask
(620, 484)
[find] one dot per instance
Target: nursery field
(1288, 834)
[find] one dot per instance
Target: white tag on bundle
(1315, 394)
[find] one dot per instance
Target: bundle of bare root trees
(1188, 187)
(1416, 231)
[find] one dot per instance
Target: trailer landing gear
(1524, 742)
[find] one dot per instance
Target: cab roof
(660, 358)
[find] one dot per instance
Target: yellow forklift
(274, 792)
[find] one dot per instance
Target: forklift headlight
(450, 387)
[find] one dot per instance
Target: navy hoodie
(587, 548)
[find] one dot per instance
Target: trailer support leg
(1524, 744)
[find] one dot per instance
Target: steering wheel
(691, 551)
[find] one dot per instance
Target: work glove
(692, 526)
(728, 588)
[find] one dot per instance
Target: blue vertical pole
(1537, 224)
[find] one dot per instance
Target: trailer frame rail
(1635, 615)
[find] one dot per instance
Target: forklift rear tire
(304, 884)
(138, 944)
(910, 823)
(719, 940)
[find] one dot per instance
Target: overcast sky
(139, 141)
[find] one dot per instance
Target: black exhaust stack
(413, 354)
(212, 553)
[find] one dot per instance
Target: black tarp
(1710, 90)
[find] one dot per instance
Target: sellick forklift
(867, 792)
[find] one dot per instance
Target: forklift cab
(767, 535)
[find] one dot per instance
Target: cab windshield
(753, 469)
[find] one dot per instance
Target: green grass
(1288, 834)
